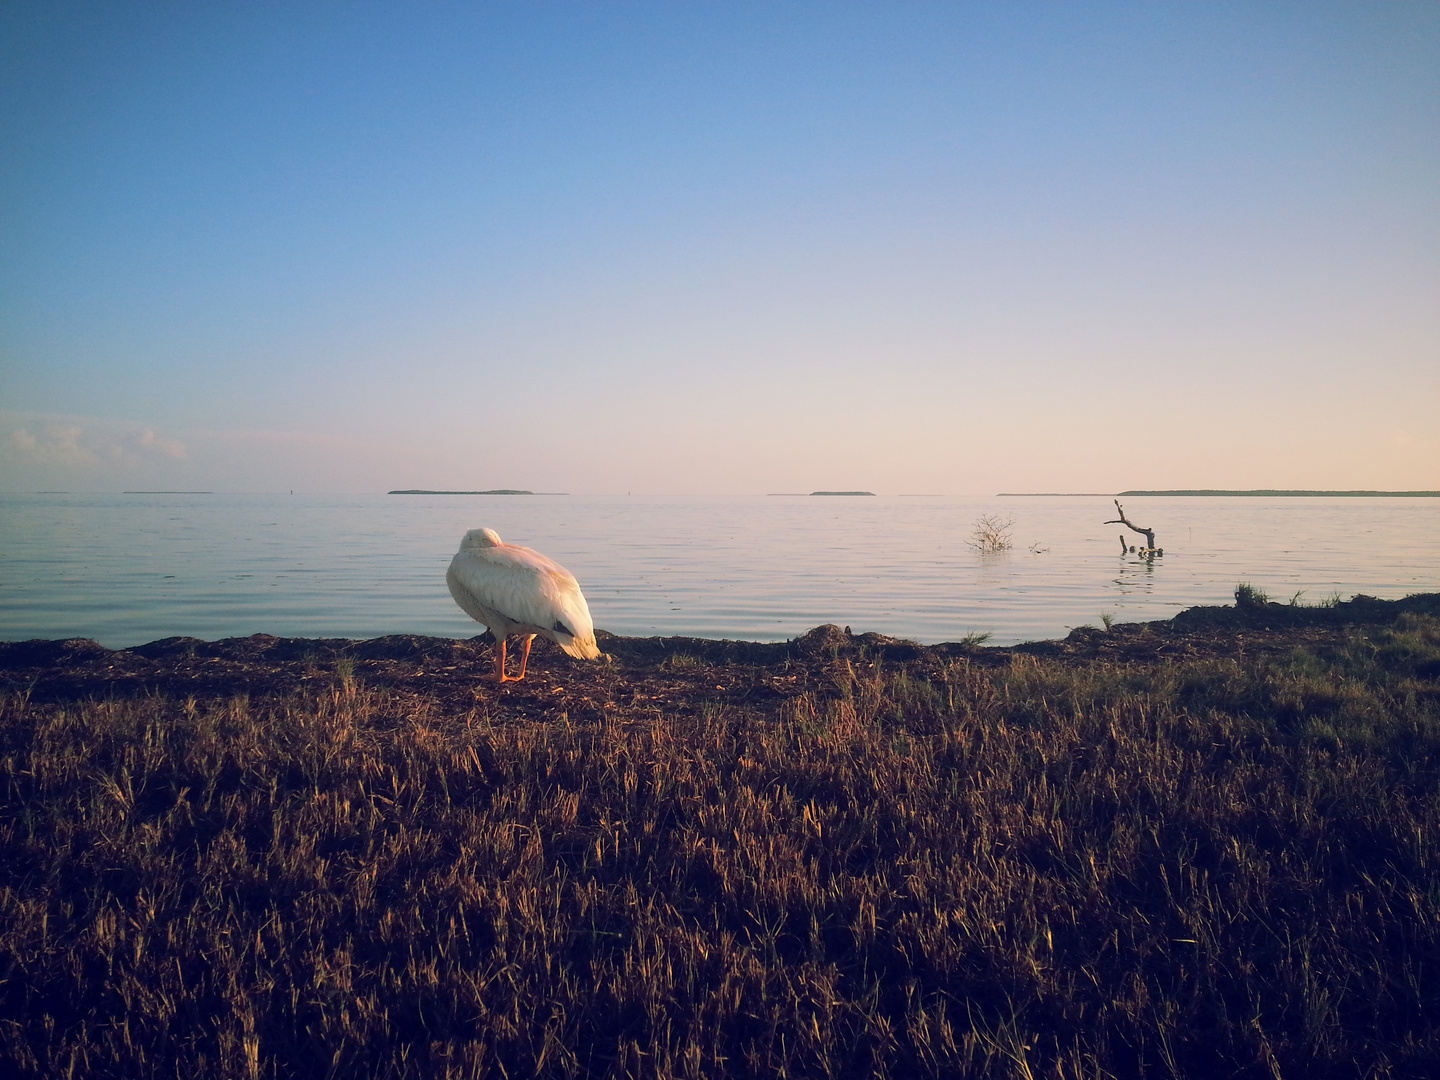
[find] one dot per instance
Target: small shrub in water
(991, 534)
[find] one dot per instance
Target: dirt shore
(642, 675)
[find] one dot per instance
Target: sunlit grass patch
(1219, 867)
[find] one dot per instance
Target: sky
(719, 247)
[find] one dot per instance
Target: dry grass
(1202, 869)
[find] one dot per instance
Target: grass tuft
(1247, 595)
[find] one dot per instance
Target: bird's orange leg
(525, 656)
(500, 660)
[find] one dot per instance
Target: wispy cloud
(72, 452)
(35, 439)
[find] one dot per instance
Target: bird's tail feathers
(581, 648)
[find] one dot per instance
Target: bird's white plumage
(515, 590)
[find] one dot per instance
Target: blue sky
(719, 247)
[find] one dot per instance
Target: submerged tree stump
(1149, 534)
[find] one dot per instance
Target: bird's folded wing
(535, 592)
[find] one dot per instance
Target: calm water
(126, 569)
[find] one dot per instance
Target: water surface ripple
(125, 569)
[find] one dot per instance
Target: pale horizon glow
(939, 248)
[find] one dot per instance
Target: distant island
(427, 491)
(1276, 492)
(1257, 493)
(152, 493)
(842, 493)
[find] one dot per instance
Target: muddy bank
(644, 673)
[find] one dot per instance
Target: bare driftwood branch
(1149, 534)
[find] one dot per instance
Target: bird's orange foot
(500, 676)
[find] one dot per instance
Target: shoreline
(670, 668)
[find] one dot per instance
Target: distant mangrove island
(1256, 493)
(1277, 492)
(427, 491)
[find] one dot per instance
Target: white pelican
(514, 590)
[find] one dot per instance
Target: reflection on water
(128, 569)
(1137, 573)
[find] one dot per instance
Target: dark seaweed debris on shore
(1202, 847)
(451, 669)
